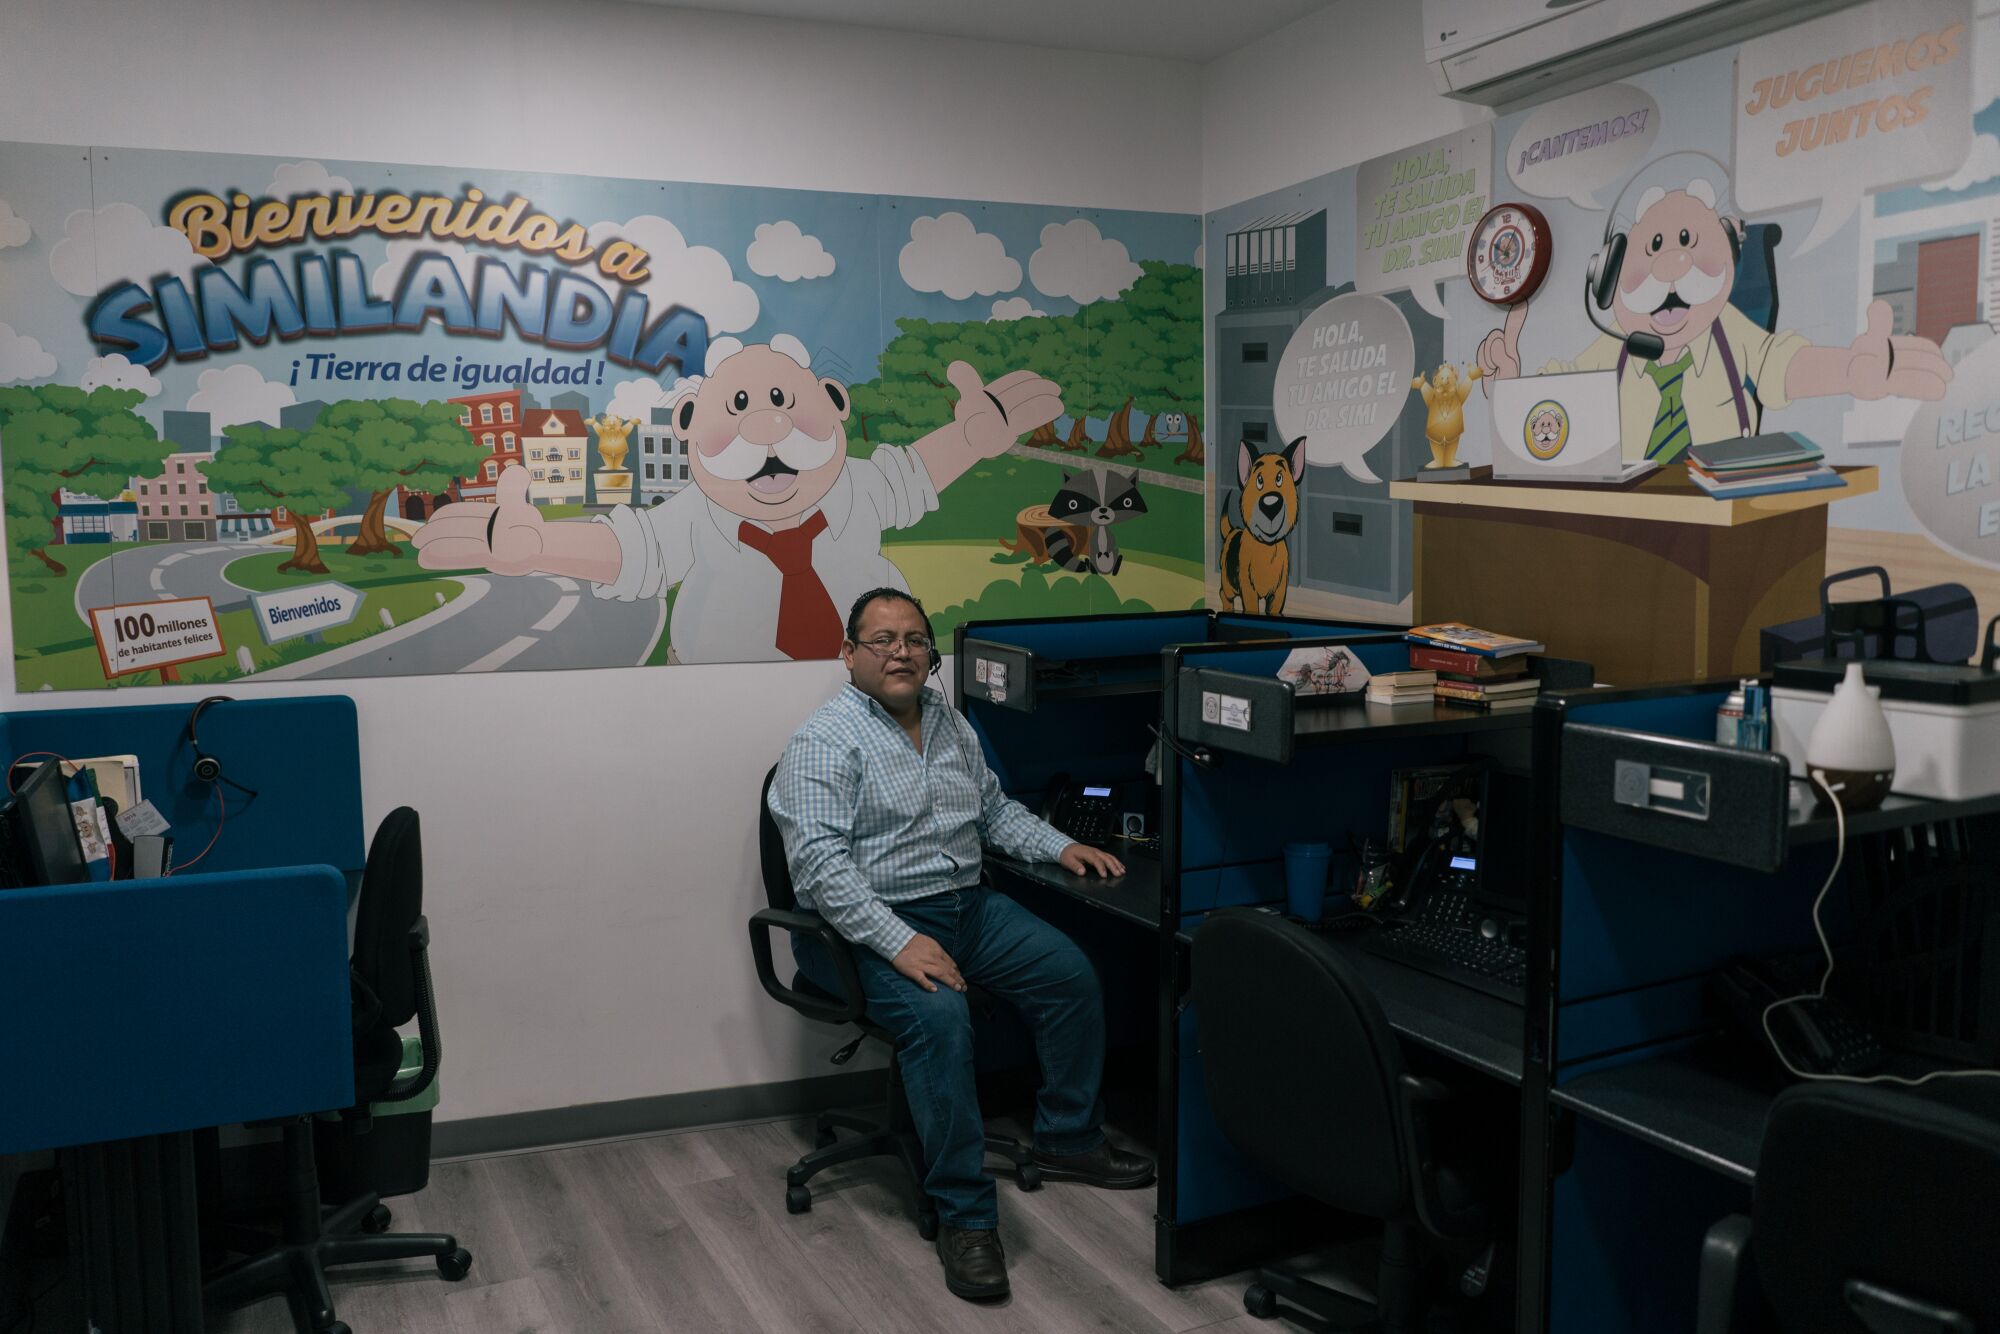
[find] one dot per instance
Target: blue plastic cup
(1305, 879)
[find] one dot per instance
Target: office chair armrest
(1729, 1300)
(852, 1002)
(419, 941)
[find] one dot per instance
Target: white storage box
(1945, 719)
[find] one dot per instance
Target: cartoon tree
(869, 406)
(306, 472)
(57, 437)
(1156, 351)
(398, 442)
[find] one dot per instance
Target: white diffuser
(1851, 750)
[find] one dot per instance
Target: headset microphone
(207, 768)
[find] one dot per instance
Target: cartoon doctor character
(781, 529)
(1692, 368)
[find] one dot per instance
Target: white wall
(590, 836)
(1336, 87)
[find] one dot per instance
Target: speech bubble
(1951, 460)
(1414, 211)
(1341, 385)
(1427, 296)
(1576, 146)
(1863, 100)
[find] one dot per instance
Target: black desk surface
(1134, 896)
(1691, 1102)
(1469, 1026)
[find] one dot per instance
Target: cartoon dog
(1256, 562)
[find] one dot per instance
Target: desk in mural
(1649, 581)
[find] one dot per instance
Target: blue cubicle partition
(218, 994)
(1637, 1131)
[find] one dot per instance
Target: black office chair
(897, 1135)
(390, 977)
(1306, 1079)
(1873, 1213)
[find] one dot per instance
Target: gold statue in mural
(1445, 396)
(613, 433)
(614, 483)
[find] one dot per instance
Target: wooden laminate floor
(688, 1232)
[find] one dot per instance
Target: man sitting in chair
(885, 803)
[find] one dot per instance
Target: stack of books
(1759, 465)
(1401, 687)
(1476, 667)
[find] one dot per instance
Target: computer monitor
(38, 842)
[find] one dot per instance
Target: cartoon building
(663, 462)
(493, 419)
(555, 440)
(1351, 538)
(85, 520)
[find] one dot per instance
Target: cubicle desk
(1095, 688)
(1327, 778)
(143, 1010)
(1469, 1027)
(1633, 1091)
(1564, 564)
(1133, 897)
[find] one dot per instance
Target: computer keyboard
(1456, 954)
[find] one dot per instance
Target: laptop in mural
(1560, 428)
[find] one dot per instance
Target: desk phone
(1081, 809)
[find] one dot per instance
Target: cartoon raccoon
(1100, 498)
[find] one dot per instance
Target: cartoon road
(494, 623)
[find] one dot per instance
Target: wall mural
(1792, 241)
(285, 419)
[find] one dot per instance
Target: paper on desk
(1326, 670)
(142, 819)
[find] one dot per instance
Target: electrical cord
(221, 817)
(1832, 792)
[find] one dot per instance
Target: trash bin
(392, 1156)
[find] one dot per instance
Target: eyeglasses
(885, 646)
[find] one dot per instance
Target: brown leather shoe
(975, 1267)
(1105, 1166)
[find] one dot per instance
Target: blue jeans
(1003, 948)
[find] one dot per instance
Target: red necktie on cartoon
(808, 623)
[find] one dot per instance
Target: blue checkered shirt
(868, 822)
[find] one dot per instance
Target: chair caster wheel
(798, 1199)
(378, 1220)
(337, 1327)
(825, 1139)
(1260, 1301)
(456, 1265)
(1029, 1177)
(927, 1226)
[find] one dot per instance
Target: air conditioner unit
(1502, 52)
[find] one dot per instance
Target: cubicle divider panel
(301, 756)
(1685, 712)
(1237, 627)
(1212, 1176)
(1068, 638)
(1626, 1234)
(1242, 812)
(1638, 918)
(191, 1001)
(1376, 650)
(1100, 737)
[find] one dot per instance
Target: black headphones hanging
(1600, 276)
(207, 768)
